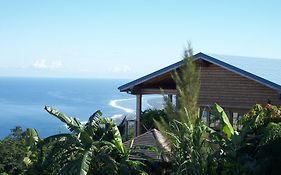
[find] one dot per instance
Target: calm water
(22, 102)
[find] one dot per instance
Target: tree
(15, 150)
(185, 131)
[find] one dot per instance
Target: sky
(129, 39)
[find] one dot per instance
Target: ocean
(22, 102)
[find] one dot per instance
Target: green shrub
(148, 118)
(255, 149)
(262, 115)
(15, 151)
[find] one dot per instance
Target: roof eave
(129, 86)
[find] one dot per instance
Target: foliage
(255, 150)
(148, 117)
(15, 150)
(185, 131)
(231, 156)
(93, 148)
(268, 153)
(226, 127)
(266, 133)
(263, 116)
(122, 127)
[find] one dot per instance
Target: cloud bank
(44, 64)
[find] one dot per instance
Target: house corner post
(138, 113)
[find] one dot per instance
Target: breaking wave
(114, 103)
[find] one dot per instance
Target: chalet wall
(231, 90)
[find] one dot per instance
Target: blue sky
(128, 39)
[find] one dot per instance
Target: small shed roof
(152, 138)
(263, 70)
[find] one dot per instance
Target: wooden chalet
(235, 83)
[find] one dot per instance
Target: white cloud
(121, 69)
(44, 64)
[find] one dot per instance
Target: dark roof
(153, 139)
(263, 70)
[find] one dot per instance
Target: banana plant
(92, 148)
(226, 127)
(31, 139)
(231, 156)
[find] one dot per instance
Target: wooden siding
(218, 85)
(231, 90)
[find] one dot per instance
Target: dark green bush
(255, 149)
(149, 116)
(12, 152)
(262, 115)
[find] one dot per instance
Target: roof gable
(263, 70)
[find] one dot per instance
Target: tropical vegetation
(148, 118)
(252, 150)
(92, 148)
(15, 150)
